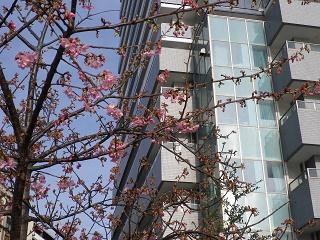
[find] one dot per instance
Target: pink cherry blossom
(38, 186)
(25, 59)
(162, 77)
(187, 127)
(138, 122)
(73, 46)
(175, 95)
(116, 150)
(70, 15)
(94, 61)
(12, 26)
(153, 52)
(65, 182)
(8, 164)
(114, 112)
(108, 80)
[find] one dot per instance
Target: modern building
(277, 142)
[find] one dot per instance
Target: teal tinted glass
(237, 30)
(275, 202)
(219, 29)
(228, 114)
(221, 53)
(263, 84)
(270, 142)
(245, 87)
(256, 32)
(240, 55)
(267, 113)
(274, 177)
(259, 56)
(250, 146)
(259, 201)
(227, 87)
(253, 173)
(247, 115)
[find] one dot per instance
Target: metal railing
(299, 104)
(309, 173)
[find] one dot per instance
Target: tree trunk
(19, 212)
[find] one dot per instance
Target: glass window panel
(258, 200)
(219, 29)
(270, 144)
(263, 84)
(259, 56)
(250, 142)
(227, 87)
(228, 114)
(276, 201)
(256, 32)
(221, 53)
(232, 143)
(274, 177)
(247, 115)
(238, 31)
(245, 87)
(267, 113)
(253, 173)
(240, 55)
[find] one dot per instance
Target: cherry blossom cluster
(114, 112)
(186, 126)
(163, 76)
(73, 46)
(142, 121)
(8, 164)
(175, 95)
(94, 61)
(38, 186)
(179, 29)
(25, 59)
(65, 182)
(116, 150)
(153, 52)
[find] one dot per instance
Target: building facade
(277, 142)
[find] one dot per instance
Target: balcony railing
(299, 104)
(309, 173)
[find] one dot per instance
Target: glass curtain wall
(237, 46)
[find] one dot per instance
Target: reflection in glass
(276, 201)
(253, 173)
(240, 55)
(247, 115)
(267, 115)
(259, 201)
(250, 142)
(227, 87)
(259, 56)
(263, 84)
(221, 53)
(237, 30)
(274, 177)
(219, 29)
(228, 114)
(256, 32)
(270, 144)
